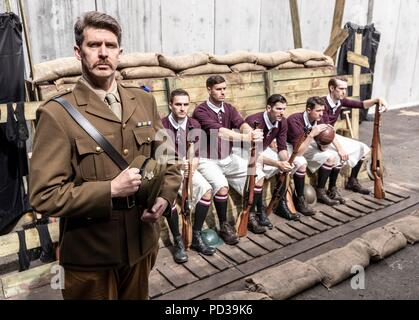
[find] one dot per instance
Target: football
(325, 137)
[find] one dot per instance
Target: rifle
(185, 207)
(243, 218)
(282, 185)
(376, 157)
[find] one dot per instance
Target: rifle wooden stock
(186, 195)
(282, 185)
(243, 217)
(376, 157)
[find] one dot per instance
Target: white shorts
(314, 158)
(231, 171)
(355, 149)
(200, 186)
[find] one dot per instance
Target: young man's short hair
(274, 99)
(334, 81)
(178, 92)
(312, 101)
(98, 20)
(213, 80)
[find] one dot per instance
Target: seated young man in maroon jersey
(179, 127)
(223, 124)
(274, 156)
(353, 152)
(323, 159)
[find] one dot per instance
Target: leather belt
(124, 203)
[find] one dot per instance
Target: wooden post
(356, 86)
(170, 84)
(25, 30)
(295, 24)
(269, 83)
(337, 21)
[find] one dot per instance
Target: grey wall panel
(187, 26)
(140, 22)
(237, 25)
(275, 26)
(316, 23)
(50, 24)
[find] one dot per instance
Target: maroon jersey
(180, 136)
(280, 133)
(330, 116)
(211, 122)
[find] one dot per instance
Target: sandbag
(322, 63)
(233, 58)
(55, 69)
(284, 281)
(206, 69)
(415, 213)
(335, 265)
(289, 65)
(273, 59)
(408, 226)
(301, 55)
(243, 295)
(138, 59)
(146, 72)
(384, 241)
(180, 63)
(247, 67)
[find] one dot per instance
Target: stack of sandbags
(408, 226)
(191, 64)
(310, 58)
(384, 241)
(139, 65)
(55, 69)
(284, 281)
(239, 61)
(336, 265)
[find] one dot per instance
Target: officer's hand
(156, 211)
(317, 129)
(126, 183)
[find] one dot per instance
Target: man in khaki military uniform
(107, 246)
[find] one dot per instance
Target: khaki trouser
(122, 283)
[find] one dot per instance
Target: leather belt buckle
(130, 201)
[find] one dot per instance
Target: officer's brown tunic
(70, 177)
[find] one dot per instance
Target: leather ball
(325, 137)
(310, 194)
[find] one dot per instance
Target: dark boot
(253, 224)
(334, 194)
(302, 206)
(263, 219)
(283, 211)
(199, 245)
(353, 184)
(179, 255)
(228, 233)
(322, 197)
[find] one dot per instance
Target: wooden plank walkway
(203, 275)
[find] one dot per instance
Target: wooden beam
(337, 21)
(30, 110)
(356, 86)
(9, 243)
(335, 43)
(358, 59)
(296, 31)
(22, 282)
